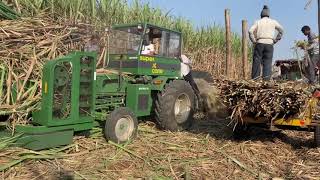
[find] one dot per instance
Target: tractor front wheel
(121, 125)
(317, 136)
(175, 106)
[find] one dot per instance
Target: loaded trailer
(308, 121)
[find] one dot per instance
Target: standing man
(263, 36)
(313, 52)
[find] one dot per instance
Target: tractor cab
(144, 49)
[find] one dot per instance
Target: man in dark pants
(187, 75)
(263, 36)
(313, 52)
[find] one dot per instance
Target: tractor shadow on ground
(218, 127)
(297, 139)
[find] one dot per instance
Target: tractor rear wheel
(121, 125)
(175, 106)
(317, 136)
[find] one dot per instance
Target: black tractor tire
(317, 136)
(175, 106)
(121, 125)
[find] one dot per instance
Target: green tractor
(132, 85)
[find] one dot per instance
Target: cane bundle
(264, 99)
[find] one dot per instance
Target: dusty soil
(206, 151)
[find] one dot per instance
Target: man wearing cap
(263, 36)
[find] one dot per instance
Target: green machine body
(67, 104)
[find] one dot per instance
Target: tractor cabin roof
(144, 25)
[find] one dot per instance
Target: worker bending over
(313, 52)
(263, 36)
(187, 75)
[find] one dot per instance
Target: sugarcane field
(157, 89)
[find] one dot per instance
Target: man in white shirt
(262, 34)
(148, 50)
(186, 73)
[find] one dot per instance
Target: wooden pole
(244, 49)
(228, 66)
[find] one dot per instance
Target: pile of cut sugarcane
(25, 45)
(264, 99)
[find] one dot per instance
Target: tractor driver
(148, 49)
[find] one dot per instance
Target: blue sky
(290, 13)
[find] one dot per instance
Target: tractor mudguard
(158, 83)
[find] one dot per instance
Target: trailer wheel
(175, 106)
(317, 136)
(121, 125)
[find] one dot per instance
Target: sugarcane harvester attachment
(132, 84)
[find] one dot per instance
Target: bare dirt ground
(207, 151)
